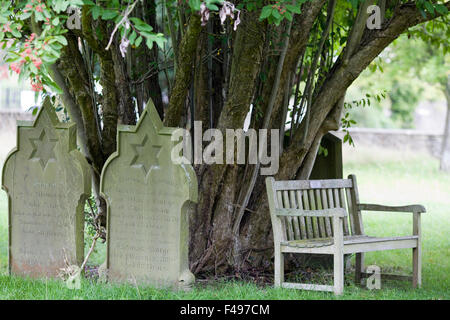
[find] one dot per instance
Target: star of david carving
(43, 149)
(146, 155)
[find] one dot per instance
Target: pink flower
(15, 67)
(6, 27)
(36, 84)
(9, 43)
(228, 10)
(37, 63)
(204, 12)
(123, 46)
(4, 72)
(238, 20)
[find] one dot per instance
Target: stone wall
(399, 139)
(8, 125)
(8, 119)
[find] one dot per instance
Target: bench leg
(359, 268)
(417, 267)
(417, 252)
(279, 267)
(338, 273)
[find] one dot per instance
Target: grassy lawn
(392, 178)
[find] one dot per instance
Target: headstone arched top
(148, 198)
(47, 181)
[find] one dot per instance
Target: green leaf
(61, 40)
(78, 2)
(276, 14)
(429, 7)
(141, 25)
(132, 37)
(288, 15)
(266, 11)
(138, 41)
(109, 14)
(149, 43)
(16, 33)
(292, 8)
(441, 9)
(96, 12)
(24, 16)
(212, 7)
(195, 4)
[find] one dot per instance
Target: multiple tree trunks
(218, 81)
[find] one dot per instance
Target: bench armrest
(376, 207)
(338, 212)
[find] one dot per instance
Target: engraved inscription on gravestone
(47, 181)
(148, 200)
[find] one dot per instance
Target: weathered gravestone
(47, 181)
(148, 199)
(329, 166)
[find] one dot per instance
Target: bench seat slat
(348, 240)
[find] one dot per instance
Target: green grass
(384, 177)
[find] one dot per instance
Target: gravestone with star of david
(47, 181)
(148, 199)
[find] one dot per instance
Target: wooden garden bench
(310, 216)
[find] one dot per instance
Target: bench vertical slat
(321, 220)
(342, 200)
(350, 208)
(294, 219)
(287, 205)
(309, 229)
(277, 228)
(356, 212)
(282, 219)
(331, 205)
(301, 219)
(337, 203)
(314, 220)
(328, 223)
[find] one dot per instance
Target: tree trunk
(445, 156)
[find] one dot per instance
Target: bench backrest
(313, 195)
